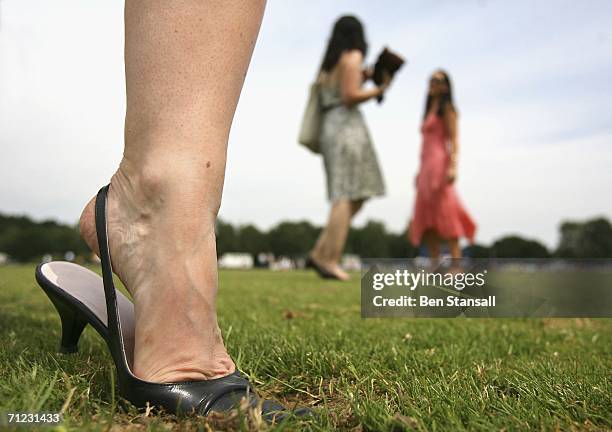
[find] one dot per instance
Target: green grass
(301, 340)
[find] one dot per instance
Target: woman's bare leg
(432, 240)
(330, 245)
(340, 241)
(320, 250)
(455, 250)
(334, 234)
(185, 62)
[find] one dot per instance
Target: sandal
(322, 272)
(81, 297)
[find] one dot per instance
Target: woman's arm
(351, 80)
(450, 119)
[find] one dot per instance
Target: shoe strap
(115, 335)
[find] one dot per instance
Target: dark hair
(446, 100)
(347, 34)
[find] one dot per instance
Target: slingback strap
(115, 336)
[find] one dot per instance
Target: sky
(532, 83)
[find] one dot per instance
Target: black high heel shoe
(81, 297)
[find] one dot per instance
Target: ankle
(149, 183)
(318, 257)
(324, 261)
(169, 184)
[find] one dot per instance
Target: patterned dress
(350, 162)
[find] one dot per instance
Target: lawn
(302, 341)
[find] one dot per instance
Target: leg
(455, 250)
(433, 244)
(319, 252)
(323, 249)
(340, 242)
(330, 244)
(185, 65)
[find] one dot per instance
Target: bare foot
(162, 243)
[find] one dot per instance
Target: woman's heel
(72, 327)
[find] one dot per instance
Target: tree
(25, 240)
(252, 240)
(400, 247)
(590, 239)
(227, 238)
(369, 241)
(518, 247)
(477, 251)
(292, 238)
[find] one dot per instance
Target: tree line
(25, 240)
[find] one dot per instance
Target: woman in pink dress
(438, 212)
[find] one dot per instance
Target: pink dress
(437, 206)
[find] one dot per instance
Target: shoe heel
(72, 327)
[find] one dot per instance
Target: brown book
(387, 61)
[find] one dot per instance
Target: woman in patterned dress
(351, 166)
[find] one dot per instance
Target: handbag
(310, 128)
